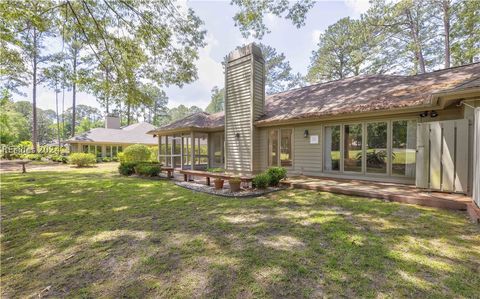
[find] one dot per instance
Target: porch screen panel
(404, 137)
(273, 148)
(217, 149)
(332, 148)
(376, 153)
(352, 148)
(286, 147)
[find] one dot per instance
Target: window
(332, 148)
(85, 149)
(114, 151)
(352, 159)
(273, 148)
(286, 147)
(404, 138)
(280, 153)
(96, 150)
(377, 152)
(108, 151)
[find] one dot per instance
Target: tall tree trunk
(74, 91)
(446, 29)
(63, 109)
(34, 92)
(58, 118)
(416, 42)
(128, 114)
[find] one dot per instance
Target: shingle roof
(350, 95)
(135, 133)
(199, 120)
(364, 94)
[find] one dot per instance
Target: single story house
(421, 129)
(107, 142)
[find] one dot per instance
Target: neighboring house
(417, 129)
(109, 141)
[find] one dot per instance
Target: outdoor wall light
(433, 113)
(305, 134)
(237, 135)
(424, 114)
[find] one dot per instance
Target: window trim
(364, 123)
(279, 136)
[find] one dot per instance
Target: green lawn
(92, 233)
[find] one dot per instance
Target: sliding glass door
(332, 148)
(404, 143)
(375, 148)
(352, 147)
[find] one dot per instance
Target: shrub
(114, 159)
(276, 174)
(59, 158)
(33, 157)
(153, 153)
(234, 180)
(106, 159)
(127, 168)
(136, 153)
(82, 159)
(121, 157)
(147, 170)
(261, 181)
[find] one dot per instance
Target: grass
(91, 233)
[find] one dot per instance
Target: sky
(222, 37)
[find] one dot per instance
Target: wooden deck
(388, 191)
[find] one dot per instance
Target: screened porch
(191, 150)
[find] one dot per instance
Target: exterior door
(442, 156)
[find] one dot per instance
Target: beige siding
(238, 116)
(244, 102)
(307, 158)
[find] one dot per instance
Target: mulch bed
(226, 191)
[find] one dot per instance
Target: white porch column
(476, 157)
(192, 138)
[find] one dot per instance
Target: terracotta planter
(218, 184)
(234, 186)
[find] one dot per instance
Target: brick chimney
(244, 103)
(112, 122)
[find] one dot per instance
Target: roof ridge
(372, 75)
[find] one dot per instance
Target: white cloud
(210, 74)
(316, 36)
(358, 6)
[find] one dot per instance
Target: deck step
(419, 198)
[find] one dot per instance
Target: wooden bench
(208, 175)
(169, 171)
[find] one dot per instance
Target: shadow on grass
(99, 234)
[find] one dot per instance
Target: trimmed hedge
(136, 153)
(147, 170)
(82, 159)
(261, 181)
(276, 174)
(127, 168)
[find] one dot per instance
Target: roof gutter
(346, 116)
(184, 130)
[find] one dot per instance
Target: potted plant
(218, 183)
(234, 184)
